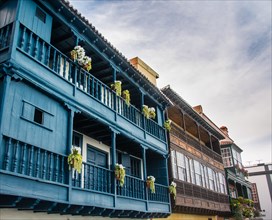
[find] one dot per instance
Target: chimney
(144, 69)
(225, 130)
(198, 109)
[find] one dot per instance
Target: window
(237, 158)
(203, 176)
(192, 171)
(227, 158)
(181, 166)
(40, 15)
(187, 169)
(222, 183)
(174, 164)
(135, 165)
(211, 179)
(206, 177)
(38, 116)
(132, 164)
(97, 157)
(198, 175)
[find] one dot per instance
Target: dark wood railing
(50, 57)
(191, 190)
(178, 132)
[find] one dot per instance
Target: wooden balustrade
(62, 65)
(161, 193)
(133, 188)
(32, 161)
(5, 34)
(94, 178)
(35, 162)
(188, 189)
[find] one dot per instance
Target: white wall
(263, 190)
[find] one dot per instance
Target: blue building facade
(49, 104)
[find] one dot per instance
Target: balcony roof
(178, 101)
(120, 61)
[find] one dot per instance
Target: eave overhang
(178, 101)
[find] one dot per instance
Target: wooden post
(113, 162)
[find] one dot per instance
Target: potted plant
(145, 111)
(167, 124)
(77, 53)
(173, 190)
(117, 87)
(75, 160)
(150, 183)
(87, 63)
(120, 173)
(126, 96)
(152, 113)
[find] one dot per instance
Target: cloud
(213, 53)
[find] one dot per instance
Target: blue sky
(213, 53)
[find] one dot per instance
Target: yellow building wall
(180, 216)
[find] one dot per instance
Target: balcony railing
(94, 178)
(5, 34)
(50, 57)
(175, 130)
(35, 163)
(187, 189)
(133, 187)
(31, 161)
(161, 194)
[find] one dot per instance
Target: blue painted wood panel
(18, 118)
(92, 198)
(7, 12)
(15, 185)
(28, 17)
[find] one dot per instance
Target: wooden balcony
(195, 199)
(42, 178)
(181, 134)
(64, 77)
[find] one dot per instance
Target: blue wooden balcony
(34, 178)
(55, 71)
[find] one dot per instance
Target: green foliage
(173, 190)
(75, 160)
(145, 111)
(117, 87)
(167, 124)
(120, 173)
(150, 183)
(242, 208)
(126, 96)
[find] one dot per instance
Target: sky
(213, 53)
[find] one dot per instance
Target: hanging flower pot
(145, 111)
(152, 113)
(117, 87)
(77, 53)
(173, 190)
(75, 160)
(126, 96)
(120, 173)
(150, 183)
(167, 124)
